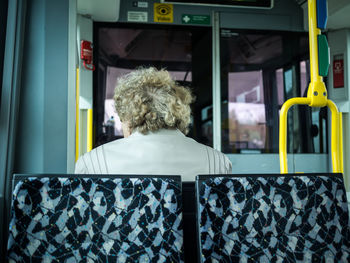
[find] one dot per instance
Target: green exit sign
(196, 19)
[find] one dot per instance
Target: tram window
(294, 137)
(183, 51)
(112, 124)
(245, 55)
(280, 87)
(317, 128)
(181, 76)
(288, 83)
(259, 71)
(246, 110)
(304, 77)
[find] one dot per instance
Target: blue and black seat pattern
(273, 218)
(96, 220)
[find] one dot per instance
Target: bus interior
(241, 59)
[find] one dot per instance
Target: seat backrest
(273, 218)
(96, 218)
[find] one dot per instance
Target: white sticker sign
(134, 16)
(142, 4)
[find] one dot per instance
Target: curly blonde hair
(149, 99)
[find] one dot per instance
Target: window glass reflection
(304, 79)
(246, 108)
(280, 86)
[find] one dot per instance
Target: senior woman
(155, 113)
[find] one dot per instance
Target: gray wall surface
(41, 144)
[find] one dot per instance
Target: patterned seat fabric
(96, 220)
(273, 219)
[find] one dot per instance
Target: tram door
(186, 52)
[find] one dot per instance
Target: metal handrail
(316, 97)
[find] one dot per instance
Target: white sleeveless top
(165, 152)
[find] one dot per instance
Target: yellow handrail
(336, 134)
(316, 97)
(283, 130)
(89, 130)
(77, 123)
(335, 147)
(316, 92)
(341, 142)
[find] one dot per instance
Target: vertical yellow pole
(77, 117)
(283, 138)
(335, 149)
(89, 130)
(317, 89)
(341, 142)
(313, 45)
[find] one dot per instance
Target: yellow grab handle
(283, 130)
(89, 130)
(336, 136)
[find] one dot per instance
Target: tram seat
(94, 218)
(273, 218)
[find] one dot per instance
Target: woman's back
(165, 152)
